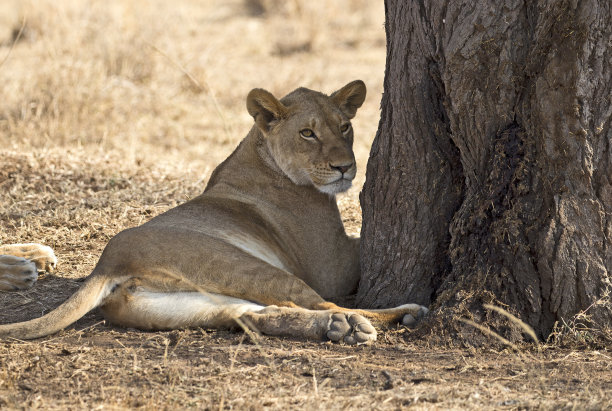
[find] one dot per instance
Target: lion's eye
(345, 128)
(308, 133)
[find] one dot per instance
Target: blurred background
(163, 83)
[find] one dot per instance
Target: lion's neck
(261, 149)
(251, 167)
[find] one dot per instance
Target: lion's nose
(343, 168)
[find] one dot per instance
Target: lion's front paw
(350, 328)
(16, 273)
(415, 314)
(42, 255)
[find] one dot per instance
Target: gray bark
(491, 172)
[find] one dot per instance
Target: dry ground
(114, 111)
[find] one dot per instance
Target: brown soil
(110, 368)
(93, 364)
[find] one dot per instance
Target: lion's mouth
(339, 185)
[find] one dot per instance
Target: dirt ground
(113, 112)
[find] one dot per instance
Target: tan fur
(20, 263)
(265, 232)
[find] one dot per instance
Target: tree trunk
(490, 178)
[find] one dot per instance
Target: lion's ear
(350, 97)
(264, 108)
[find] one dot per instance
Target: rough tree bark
(490, 178)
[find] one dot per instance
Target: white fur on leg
(158, 310)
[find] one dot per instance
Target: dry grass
(161, 82)
(114, 111)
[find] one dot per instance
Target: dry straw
(512, 318)
(515, 320)
(489, 332)
(15, 40)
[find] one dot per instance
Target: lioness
(264, 245)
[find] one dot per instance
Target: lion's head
(309, 134)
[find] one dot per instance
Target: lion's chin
(339, 186)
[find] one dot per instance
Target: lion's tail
(89, 296)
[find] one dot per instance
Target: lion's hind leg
(347, 327)
(141, 308)
(146, 309)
